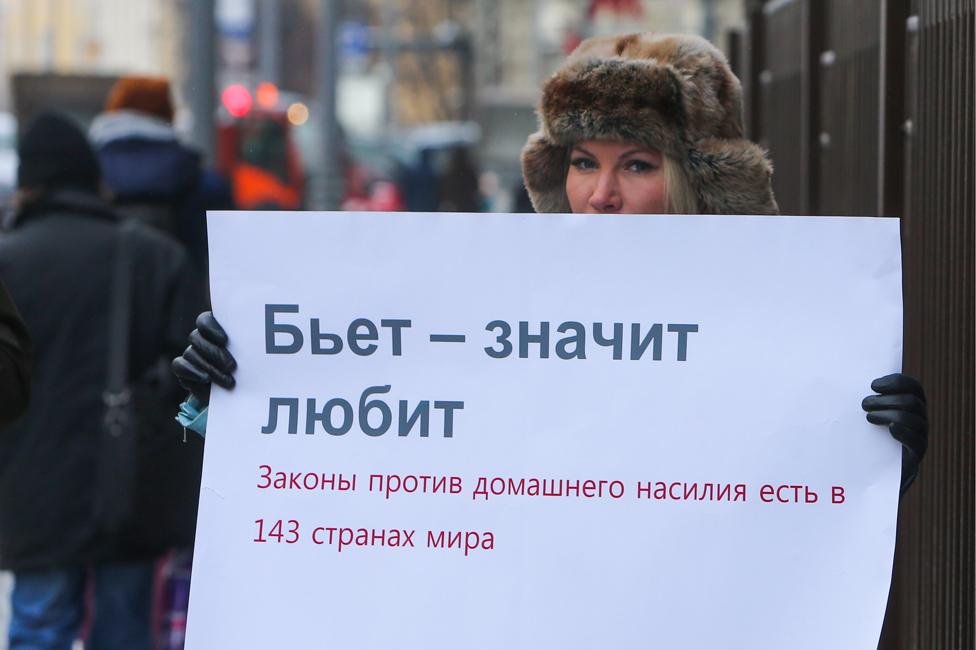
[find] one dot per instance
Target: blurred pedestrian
(521, 202)
(459, 187)
(150, 173)
(420, 184)
(15, 357)
(104, 300)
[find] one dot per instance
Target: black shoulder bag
(117, 448)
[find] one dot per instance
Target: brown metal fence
(785, 80)
(849, 68)
(867, 107)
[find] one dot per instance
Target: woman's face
(607, 176)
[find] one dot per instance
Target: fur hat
(144, 94)
(671, 92)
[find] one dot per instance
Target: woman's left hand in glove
(901, 406)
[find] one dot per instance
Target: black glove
(901, 406)
(206, 361)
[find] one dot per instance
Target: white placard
(783, 322)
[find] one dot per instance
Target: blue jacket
(144, 164)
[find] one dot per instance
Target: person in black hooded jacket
(58, 261)
(15, 354)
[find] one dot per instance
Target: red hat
(144, 94)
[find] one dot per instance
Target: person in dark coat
(58, 261)
(15, 356)
(460, 191)
(149, 172)
(421, 186)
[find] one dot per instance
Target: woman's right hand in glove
(206, 361)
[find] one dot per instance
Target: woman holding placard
(637, 124)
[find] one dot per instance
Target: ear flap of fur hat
(673, 93)
(731, 177)
(544, 165)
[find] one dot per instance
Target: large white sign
(528, 431)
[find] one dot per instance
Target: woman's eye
(582, 163)
(640, 166)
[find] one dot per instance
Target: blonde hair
(680, 195)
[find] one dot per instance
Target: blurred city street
(427, 105)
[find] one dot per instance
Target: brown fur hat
(671, 92)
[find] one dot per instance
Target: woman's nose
(606, 196)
